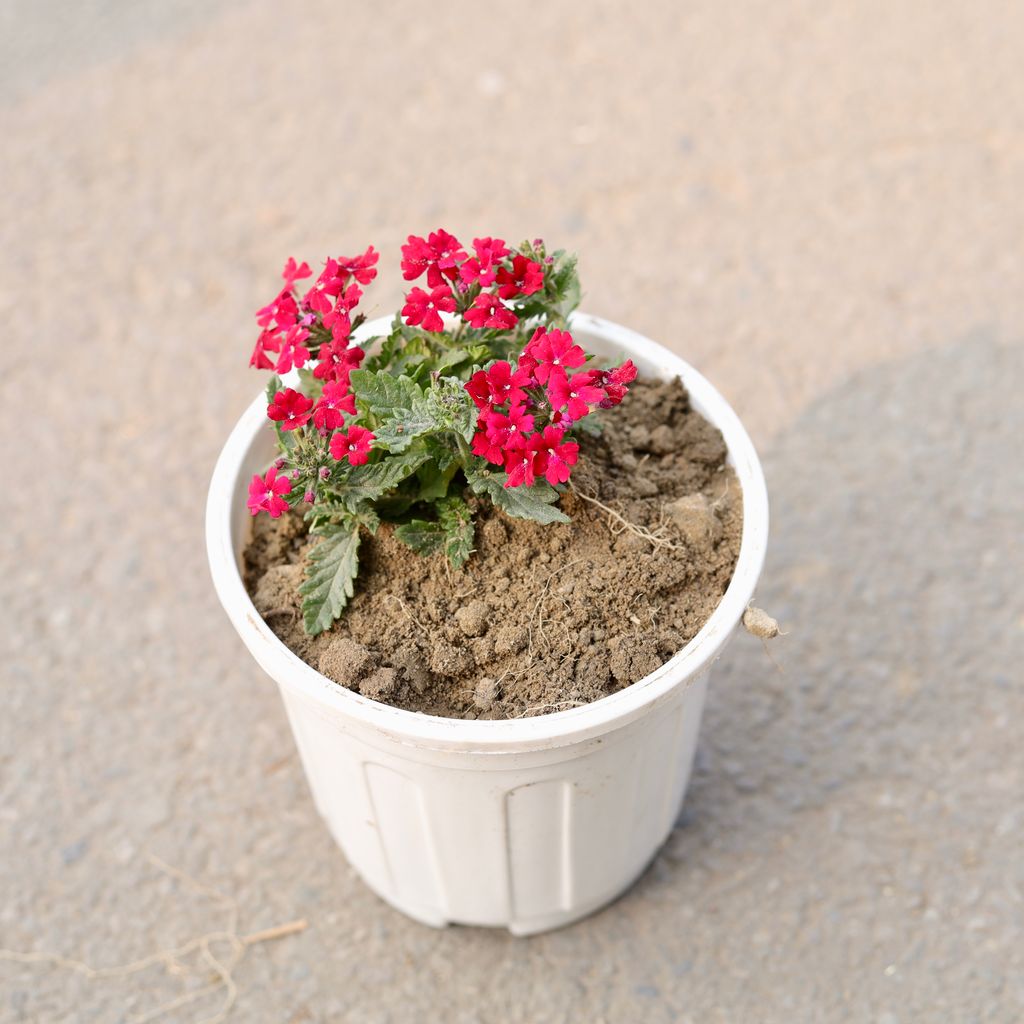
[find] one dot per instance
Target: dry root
(218, 967)
(657, 538)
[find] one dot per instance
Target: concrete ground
(820, 206)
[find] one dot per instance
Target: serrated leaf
(400, 405)
(536, 502)
(422, 536)
(457, 521)
(331, 572)
(370, 482)
(434, 480)
(451, 533)
(382, 392)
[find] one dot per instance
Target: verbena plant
(478, 388)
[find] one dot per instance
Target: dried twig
(626, 525)
(538, 610)
(173, 959)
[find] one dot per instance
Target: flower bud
(325, 472)
(279, 464)
(309, 497)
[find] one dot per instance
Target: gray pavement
(821, 209)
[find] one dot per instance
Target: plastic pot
(527, 824)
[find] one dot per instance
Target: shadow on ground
(894, 565)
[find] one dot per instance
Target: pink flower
(293, 273)
(505, 386)
(265, 493)
(329, 285)
(337, 360)
(282, 312)
(293, 352)
(479, 389)
(359, 267)
(624, 374)
(553, 456)
(519, 463)
(525, 278)
(438, 255)
(488, 311)
(527, 362)
(353, 444)
(616, 383)
(487, 449)
(553, 349)
(421, 308)
(500, 430)
(482, 268)
(268, 341)
(290, 408)
(574, 394)
(335, 400)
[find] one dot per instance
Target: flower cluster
(527, 410)
(319, 324)
(478, 371)
(316, 329)
(477, 287)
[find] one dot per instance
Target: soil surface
(541, 618)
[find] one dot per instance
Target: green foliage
(417, 354)
(331, 572)
(398, 406)
(452, 532)
(536, 502)
(365, 484)
(404, 411)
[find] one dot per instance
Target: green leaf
(370, 482)
(536, 502)
(382, 392)
(400, 405)
(331, 572)
(451, 533)
(434, 480)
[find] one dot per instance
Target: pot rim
(506, 735)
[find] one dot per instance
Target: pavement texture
(819, 206)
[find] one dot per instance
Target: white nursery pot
(526, 824)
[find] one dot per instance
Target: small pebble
(485, 694)
(695, 519)
(473, 618)
(759, 623)
(663, 440)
